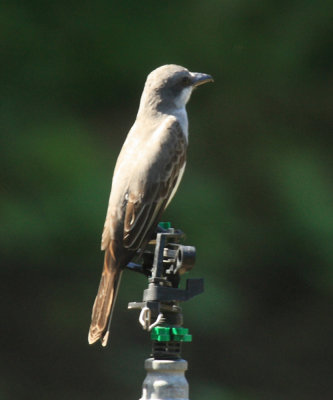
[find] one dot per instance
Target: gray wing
(146, 204)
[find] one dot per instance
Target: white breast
(181, 116)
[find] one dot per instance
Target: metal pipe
(165, 380)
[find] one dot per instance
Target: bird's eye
(186, 81)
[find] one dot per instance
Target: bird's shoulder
(169, 131)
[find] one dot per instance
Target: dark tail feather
(105, 301)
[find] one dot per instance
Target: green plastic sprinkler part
(165, 225)
(168, 334)
(180, 334)
(160, 334)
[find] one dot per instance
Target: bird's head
(170, 86)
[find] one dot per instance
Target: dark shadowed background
(256, 199)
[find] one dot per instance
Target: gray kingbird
(147, 174)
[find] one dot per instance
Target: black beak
(200, 79)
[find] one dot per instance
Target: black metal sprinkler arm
(160, 310)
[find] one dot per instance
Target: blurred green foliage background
(256, 199)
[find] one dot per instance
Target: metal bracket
(164, 267)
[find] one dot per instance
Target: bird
(147, 174)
